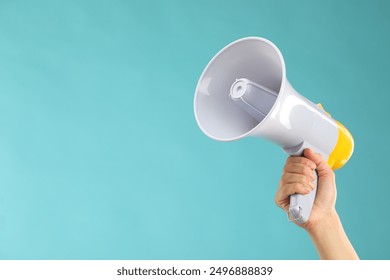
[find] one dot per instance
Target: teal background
(100, 154)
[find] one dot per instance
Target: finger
(289, 178)
(282, 197)
(282, 202)
(323, 169)
(301, 160)
(296, 188)
(299, 168)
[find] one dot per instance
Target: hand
(298, 176)
(324, 226)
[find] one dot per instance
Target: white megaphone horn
(243, 91)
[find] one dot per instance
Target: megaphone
(243, 91)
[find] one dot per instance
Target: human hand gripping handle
(298, 186)
(323, 224)
(301, 205)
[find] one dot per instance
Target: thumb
(323, 169)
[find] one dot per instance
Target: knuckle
(302, 179)
(305, 170)
(300, 159)
(308, 173)
(308, 162)
(301, 188)
(297, 186)
(285, 177)
(277, 201)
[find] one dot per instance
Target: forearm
(330, 240)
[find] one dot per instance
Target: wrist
(323, 223)
(330, 239)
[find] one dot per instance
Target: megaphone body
(243, 91)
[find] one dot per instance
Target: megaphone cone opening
(252, 58)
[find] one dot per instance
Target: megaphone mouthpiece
(255, 99)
